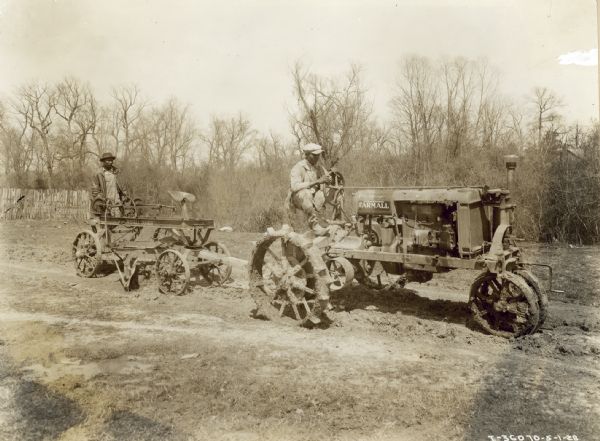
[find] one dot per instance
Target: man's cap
(107, 155)
(315, 149)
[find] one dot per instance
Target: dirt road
(81, 359)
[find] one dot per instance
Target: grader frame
(177, 247)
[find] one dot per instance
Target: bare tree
(17, 154)
(16, 148)
(103, 136)
(460, 87)
(179, 132)
(228, 140)
(77, 110)
(416, 108)
(493, 121)
(127, 112)
(445, 114)
(545, 104)
(165, 135)
(271, 151)
(330, 113)
(6, 146)
(35, 104)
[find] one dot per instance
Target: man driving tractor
(307, 179)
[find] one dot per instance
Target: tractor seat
(181, 196)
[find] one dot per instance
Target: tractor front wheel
(540, 292)
(504, 305)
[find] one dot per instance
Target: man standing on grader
(306, 193)
(106, 190)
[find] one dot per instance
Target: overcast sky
(227, 56)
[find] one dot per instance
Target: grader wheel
(288, 278)
(173, 271)
(87, 253)
(540, 292)
(217, 273)
(504, 305)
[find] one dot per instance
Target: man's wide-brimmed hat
(312, 148)
(107, 155)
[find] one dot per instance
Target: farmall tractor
(400, 235)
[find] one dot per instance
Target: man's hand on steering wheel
(325, 179)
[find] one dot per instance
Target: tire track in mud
(514, 386)
(334, 341)
(285, 334)
(426, 296)
(216, 330)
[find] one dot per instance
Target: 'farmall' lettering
(369, 205)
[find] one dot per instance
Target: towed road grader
(400, 235)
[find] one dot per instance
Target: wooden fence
(43, 204)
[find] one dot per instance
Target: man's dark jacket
(99, 186)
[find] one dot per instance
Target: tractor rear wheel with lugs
(288, 278)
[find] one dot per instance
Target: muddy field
(81, 359)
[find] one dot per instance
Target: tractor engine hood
(378, 201)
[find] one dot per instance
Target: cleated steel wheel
(540, 292)
(504, 305)
(87, 253)
(288, 278)
(217, 273)
(173, 271)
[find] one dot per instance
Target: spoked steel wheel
(173, 271)
(87, 253)
(219, 272)
(504, 305)
(288, 279)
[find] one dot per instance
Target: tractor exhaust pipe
(511, 164)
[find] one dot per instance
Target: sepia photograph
(276, 220)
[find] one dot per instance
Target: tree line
(449, 124)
